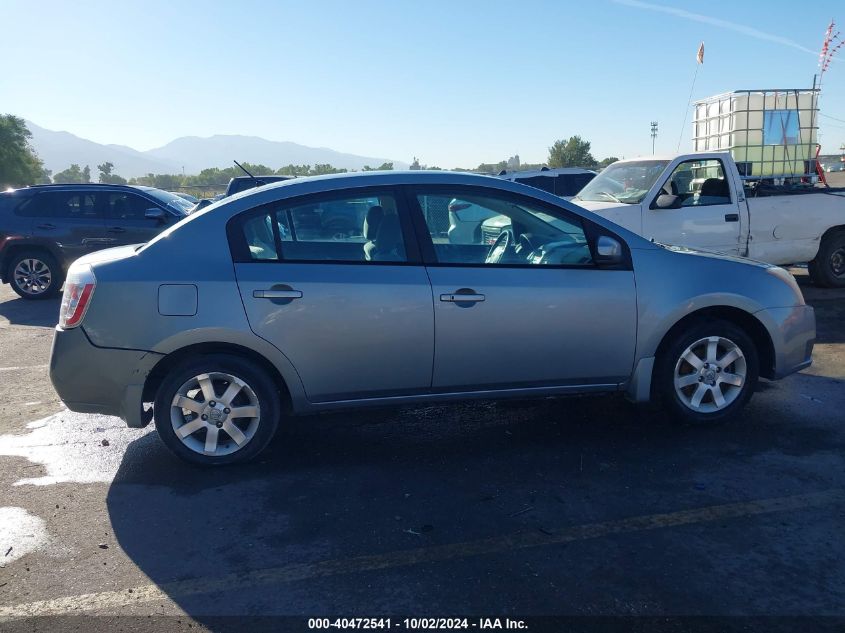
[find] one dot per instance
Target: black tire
(666, 363)
(261, 385)
(38, 259)
(828, 268)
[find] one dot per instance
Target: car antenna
(245, 171)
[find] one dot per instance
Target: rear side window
(339, 229)
(60, 204)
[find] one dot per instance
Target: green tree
(86, 174)
(574, 152)
(109, 178)
(325, 168)
(19, 164)
(382, 167)
(294, 170)
(71, 175)
(607, 161)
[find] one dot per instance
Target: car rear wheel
(34, 275)
(217, 409)
(828, 268)
(707, 372)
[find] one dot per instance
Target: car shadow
(38, 313)
(343, 485)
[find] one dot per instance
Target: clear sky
(453, 82)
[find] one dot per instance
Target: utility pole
(653, 135)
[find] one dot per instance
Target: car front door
(351, 311)
(705, 213)
(529, 310)
(125, 217)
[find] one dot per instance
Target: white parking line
(113, 601)
(44, 366)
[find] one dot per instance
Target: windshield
(174, 202)
(623, 182)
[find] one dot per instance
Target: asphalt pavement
(580, 506)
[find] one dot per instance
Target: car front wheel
(217, 409)
(707, 372)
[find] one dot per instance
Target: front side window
(488, 229)
(699, 183)
(627, 182)
(126, 206)
(343, 229)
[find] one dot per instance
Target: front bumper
(91, 379)
(793, 332)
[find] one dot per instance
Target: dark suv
(44, 228)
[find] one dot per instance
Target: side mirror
(608, 250)
(154, 214)
(666, 201)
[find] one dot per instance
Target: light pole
(653, 135)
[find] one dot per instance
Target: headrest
(372, 221)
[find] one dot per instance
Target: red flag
(699, 57)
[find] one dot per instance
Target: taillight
(79, 288)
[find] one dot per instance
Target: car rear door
(707, 214)
(353, 313)
(522, 323)
(69, 220)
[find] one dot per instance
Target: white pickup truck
(700, 201)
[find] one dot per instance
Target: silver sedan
(255, 309)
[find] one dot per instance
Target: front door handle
(116, 229)
(732, 217)
(460, 297)
(277, 294)
(46, 226)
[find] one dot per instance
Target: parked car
(265, 320)
(834, 167)
(243, 183)
(44, 228)
(561, 181)
(701, 201)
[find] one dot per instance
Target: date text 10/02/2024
(417, 623)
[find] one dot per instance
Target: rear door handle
(462, 298)
(46, 226)
(732, 217)
(116, 229)
(277, 294)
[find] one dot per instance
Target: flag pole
(699, 60)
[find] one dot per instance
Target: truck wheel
(217, 409)
(707, 372)
(828, 268)
(35, 275)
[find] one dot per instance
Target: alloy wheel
(215, 414)
(32, 276)
(710, 374)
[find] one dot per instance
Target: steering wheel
(500, 247)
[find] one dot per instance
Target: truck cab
(694, 200)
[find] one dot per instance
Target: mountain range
(59, 149)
